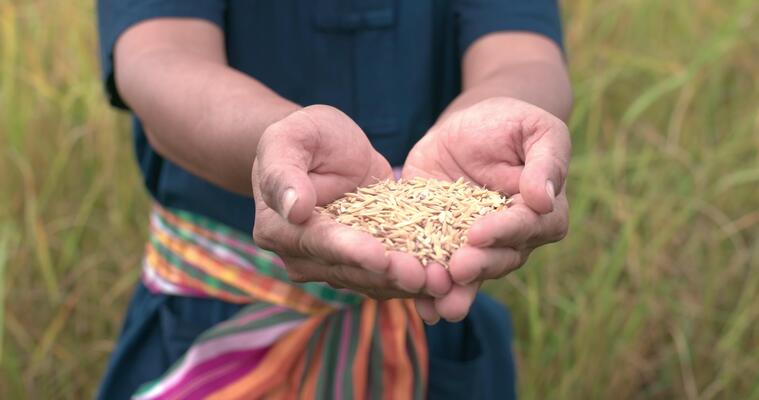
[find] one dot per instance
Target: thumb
(546, 166)
(288, 190)
(280, 173)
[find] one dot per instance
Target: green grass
(653, 294)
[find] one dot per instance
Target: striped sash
(292, 340)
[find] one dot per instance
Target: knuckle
(270, 181)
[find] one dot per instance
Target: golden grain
(424, 217)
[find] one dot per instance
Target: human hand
(515, 148)
(312, 157)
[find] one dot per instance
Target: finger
(426, 310)
(305, 270)
(455, 305)
(438, 281)
(470, 263)
(511, 227)
(377, 286)
(547, 152)
(520, 227)
(334, 243)
(283, 157)
(406, 272)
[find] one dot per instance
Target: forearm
(541, 84)
(517, 65)
(198, 112)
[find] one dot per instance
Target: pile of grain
(428, 218)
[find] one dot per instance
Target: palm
(322, 153)
(503, 144)
(509, 146)
(311, 158)
(458, 149)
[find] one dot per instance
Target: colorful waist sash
(292, 340)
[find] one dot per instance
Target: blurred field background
(653, 295)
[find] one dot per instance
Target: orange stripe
(278, 375)
(293, 385)
(397, 372)
(184, 225)
(274, 367)
(179, 278)
(419, 340)
(360, 367)
(309, 381)
(176, 220)
(258, 286)
(277, 393)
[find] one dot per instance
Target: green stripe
(324, 387)
(418, 382)
(209, 224)
(263, 262)
(311, 347)
(193, 271)
(355, 313)
(269, 321)
(327, 294)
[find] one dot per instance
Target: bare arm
(504, 131)
(197, 111)
(217, 122)
(524, 66)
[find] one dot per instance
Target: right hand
(312, 157)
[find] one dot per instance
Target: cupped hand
(506, 145)
(309, 158)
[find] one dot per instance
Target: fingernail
(430, 323)
(551, 193)
(550, 190)
(289, 197)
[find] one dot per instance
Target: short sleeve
(116, 16)
(477, 18)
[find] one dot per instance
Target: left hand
(506, 145)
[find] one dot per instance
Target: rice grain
(427, 218)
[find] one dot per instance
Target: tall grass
(654, 294)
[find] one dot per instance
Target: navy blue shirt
(390, 65)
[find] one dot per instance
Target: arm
(504, 131)
(197, 111)
(523, 66)
(230, 129)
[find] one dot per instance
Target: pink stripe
(221, 253)
(245, 361)
(199, 353)
(158, 285)
(238, 321)
(249, 248)
(246, 247)
(343, 356)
